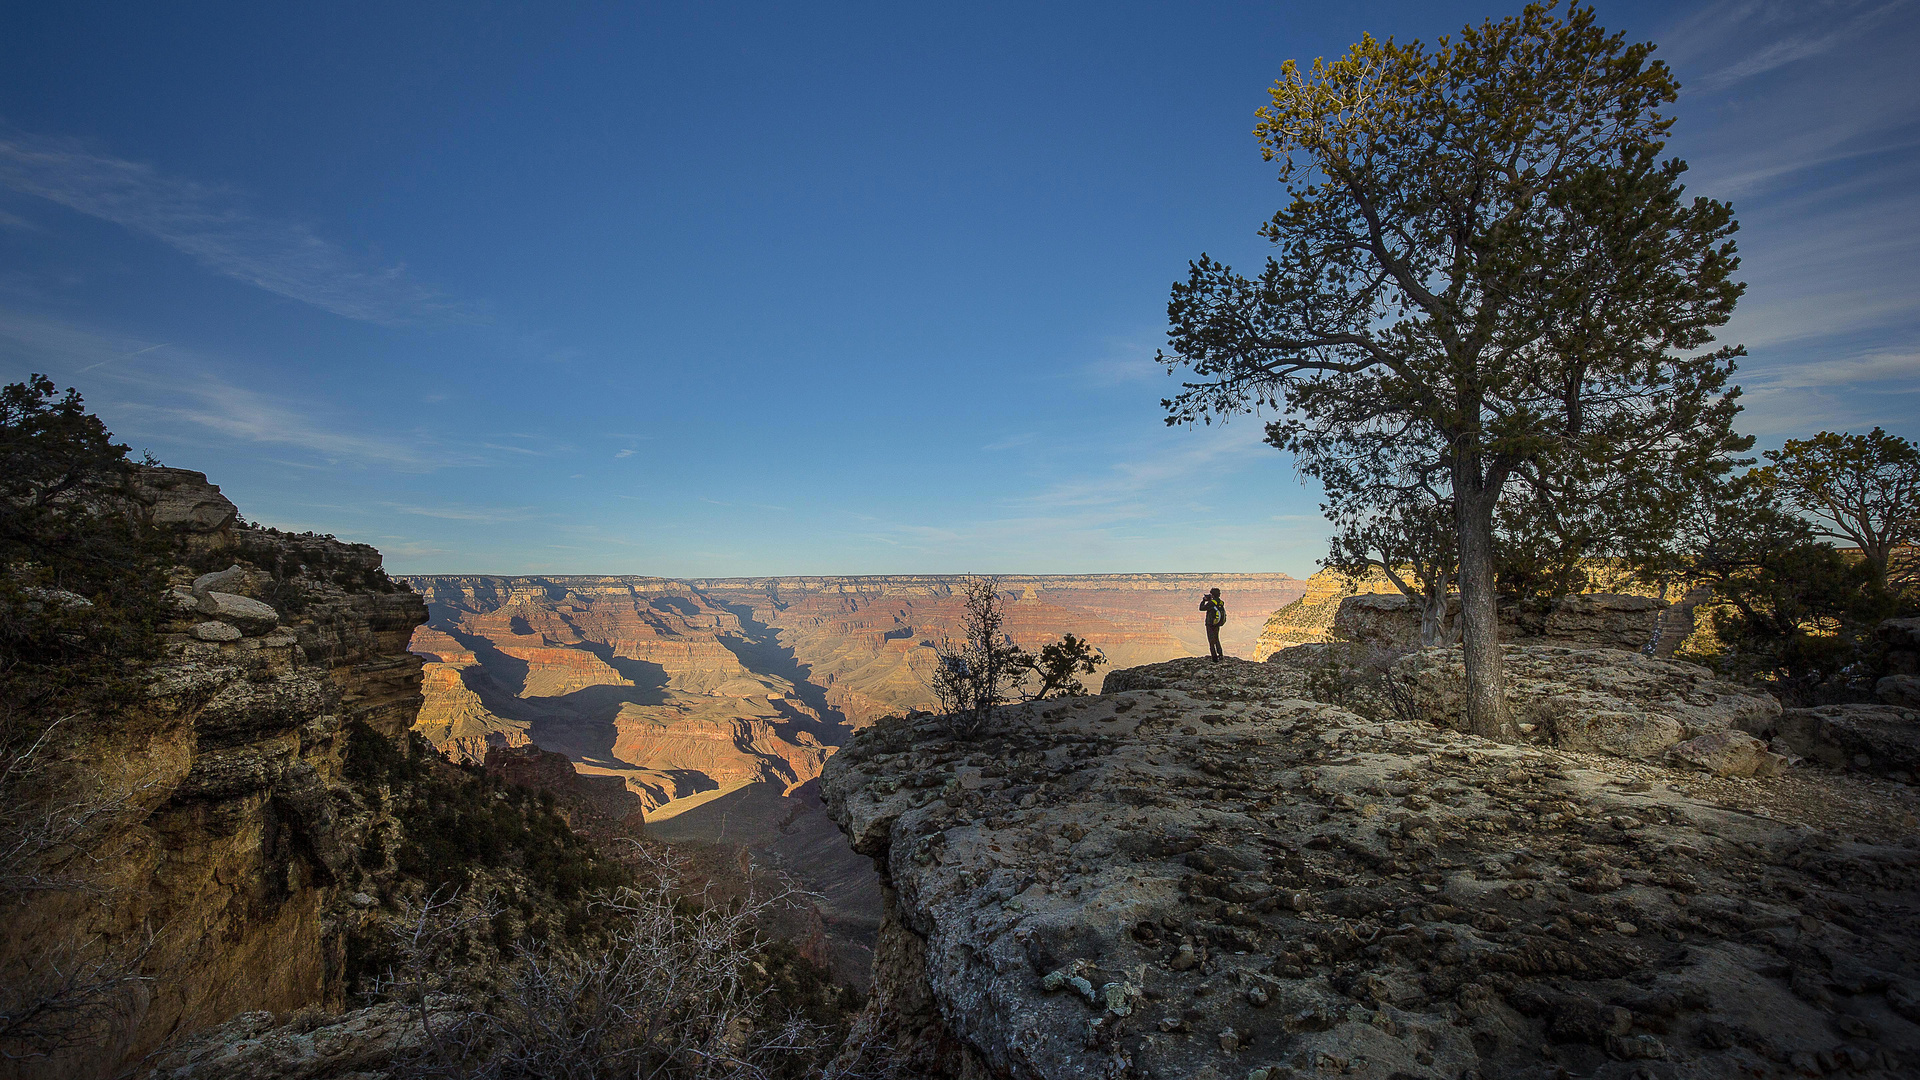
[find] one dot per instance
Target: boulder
(1595, 620)
(1728, 753)
(1386, 619)
(251, 616)
(216, 631)
(183, 501)
(1609, 700)
(1900, 691)
(1629, 734)
(1874, 738)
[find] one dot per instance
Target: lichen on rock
(1282, 887)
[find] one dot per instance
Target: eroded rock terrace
(1199, 874)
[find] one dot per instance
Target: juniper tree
(1482, 254)
(1861, 488)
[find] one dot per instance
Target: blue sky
(740, 289)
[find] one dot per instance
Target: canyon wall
(212, 857)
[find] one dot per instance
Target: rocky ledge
(1204, 875)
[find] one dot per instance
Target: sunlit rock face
(689, 687)
(222, 777)
(1309, 617)
(1202, 873)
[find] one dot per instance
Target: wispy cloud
(1168, 474)
(185, 400)
(1869, 368)
(1806, 42)
(1806, 114)
(489, 515)
(217, 226)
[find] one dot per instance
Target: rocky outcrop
(1310, 618)
(1589, 620)
(360, 1044)
(1604, 700)
(185, 504)
(227, 848)
(1205, 876)
(1882, 739)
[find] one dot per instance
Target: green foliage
(1059, 665)
(81, 579)
(1864, 489)
(1485, 277)
(457, 825)
(1793, 612)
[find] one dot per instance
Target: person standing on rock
(1216, 610)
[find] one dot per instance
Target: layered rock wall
(1589, 620)
(225, 851)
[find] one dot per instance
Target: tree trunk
(1486, 711)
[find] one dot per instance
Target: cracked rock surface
(1201, 874)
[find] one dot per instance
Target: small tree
(1409, 538)
(984, 669)
(1864, 489)
(1795, 613)
(1482, 257)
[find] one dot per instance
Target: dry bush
(674, 989)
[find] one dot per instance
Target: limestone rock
(1728, 753)
(224, 873)
(1608, 700)
(1590, 620)
(251, 616)
(1875, 738)
(216, 631)
(63, 599)
(1282, 888)
(183, 501)
(356, 1044)
(1900, 691)
(1390, 619)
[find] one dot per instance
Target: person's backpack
(1216, 611)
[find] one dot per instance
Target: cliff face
(1309, 618)
(1202, 874)
(225, 851)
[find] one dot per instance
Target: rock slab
(1202, 876)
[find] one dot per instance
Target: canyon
(690, 690)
